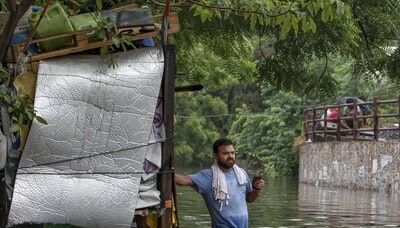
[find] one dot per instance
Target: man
(225, 187)
(349, 123)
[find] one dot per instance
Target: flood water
(285, 202)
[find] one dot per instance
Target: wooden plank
(166, 178)
(389, 115)
(92, 45)
(58, 36)
(81, 42)
(81, 39)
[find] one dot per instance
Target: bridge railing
(382, 116)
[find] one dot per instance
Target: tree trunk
(16, 12)
(5, 37)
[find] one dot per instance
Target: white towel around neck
(219, 185)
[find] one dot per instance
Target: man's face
(225, 156)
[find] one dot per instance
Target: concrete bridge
(371, 165)
(366, 156)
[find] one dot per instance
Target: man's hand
(258, 183)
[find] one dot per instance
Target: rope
(92, 173)
(92, 155)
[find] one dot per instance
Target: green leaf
(226, 15)
(205, 15)
(313, 26)
(316, 6)
(218, 14)
(253, 21)
(29, 113)
(347, 11)
(340, 8)
(331, 12)
(116, 42)
(104, 51)
(41, 120)
(21, 119)
(267, 21)
(304, 25)
(15, 127)
(280, 19)
(99, 5)
(310, 9)
(260, 20)
(320, 4)
(7, 99)
(286, 26)
(295, 24)
(325, 15)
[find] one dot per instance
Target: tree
(196, 133)
(266, 139)
(364, 39)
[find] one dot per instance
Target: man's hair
(220, 142)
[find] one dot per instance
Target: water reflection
(346, 207)
(286, 203)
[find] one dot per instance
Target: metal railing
(365, 125)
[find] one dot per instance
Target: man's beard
(227, 164)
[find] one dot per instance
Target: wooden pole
(314, 124)
(325, 122)
(339, 124)
(355, 120)
(375, 116)
(3, 199)
(305, 119)
(166, 177)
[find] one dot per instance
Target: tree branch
(226, 8)
(325, 68)
(363, 31)
(179, 4)
(368, 43)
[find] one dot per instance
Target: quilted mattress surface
(84, 167)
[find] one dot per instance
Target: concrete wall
(363, 164)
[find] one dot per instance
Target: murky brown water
(287, 203)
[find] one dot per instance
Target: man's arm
(182, 180)
(252, 196)
(258, 185)
(344, 124)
